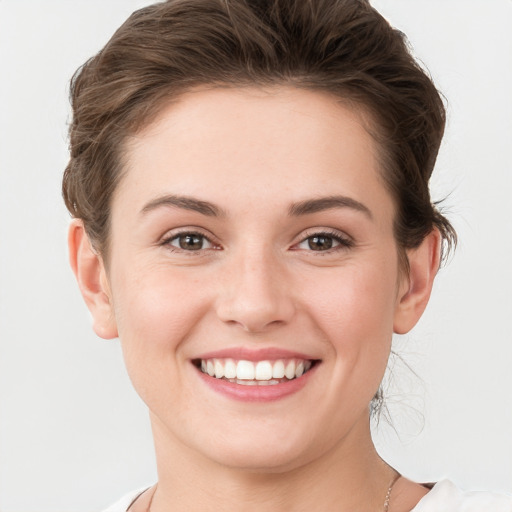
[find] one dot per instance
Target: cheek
(354, 309)
(352, 301)
(155, 312)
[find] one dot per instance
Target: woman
(249, 187)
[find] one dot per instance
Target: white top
(123, 504)
(444, 497)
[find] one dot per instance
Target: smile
(255, 373)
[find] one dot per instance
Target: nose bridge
(254, 292)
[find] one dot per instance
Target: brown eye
(325, 242)
(320, 242)
(190, 242)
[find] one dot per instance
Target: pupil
(191, 242)
(320, 243)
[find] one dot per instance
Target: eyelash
(176, 236)
(343, 242)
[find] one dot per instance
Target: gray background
(74, 436)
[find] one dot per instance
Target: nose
(256, 294)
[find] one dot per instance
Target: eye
(189, 242)
(323, 242)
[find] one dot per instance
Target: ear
(415, 288)
(89, 270)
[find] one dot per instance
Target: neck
(350, 476)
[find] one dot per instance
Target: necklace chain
(388, 494)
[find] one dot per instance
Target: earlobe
(415, 290)
(89, 270)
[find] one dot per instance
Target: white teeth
(255, 382)
(278, 370)
(219, 369)
(263, 370)
(251, 373)
(210, 368)
(289, 371)
(245, 370)
(229, 369)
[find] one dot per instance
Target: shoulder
(124, 503)
(446, 497)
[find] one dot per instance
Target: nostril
(256, 317)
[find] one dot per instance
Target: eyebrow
(328, 203)
(306, 207)
(185, 203)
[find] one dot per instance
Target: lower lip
(257, 393)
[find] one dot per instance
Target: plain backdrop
(75, 437)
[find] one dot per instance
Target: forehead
(256, 144)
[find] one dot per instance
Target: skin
(256, 282)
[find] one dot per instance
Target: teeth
(289, 371)
(278, 370)
(255, 373)
(229, 369)
(267, 382)
(245, 370)
(219, 369)
(255, 382)
(263, 370)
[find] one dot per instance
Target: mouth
(255, 373)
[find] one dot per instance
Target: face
(253, 275)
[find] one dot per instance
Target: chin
(261, 459)
(261, 450)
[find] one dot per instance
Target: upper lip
(251, 354)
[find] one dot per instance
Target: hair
(342, 47)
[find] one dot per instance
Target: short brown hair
(343, 47)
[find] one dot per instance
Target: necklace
(388, 494)
(386, 501)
